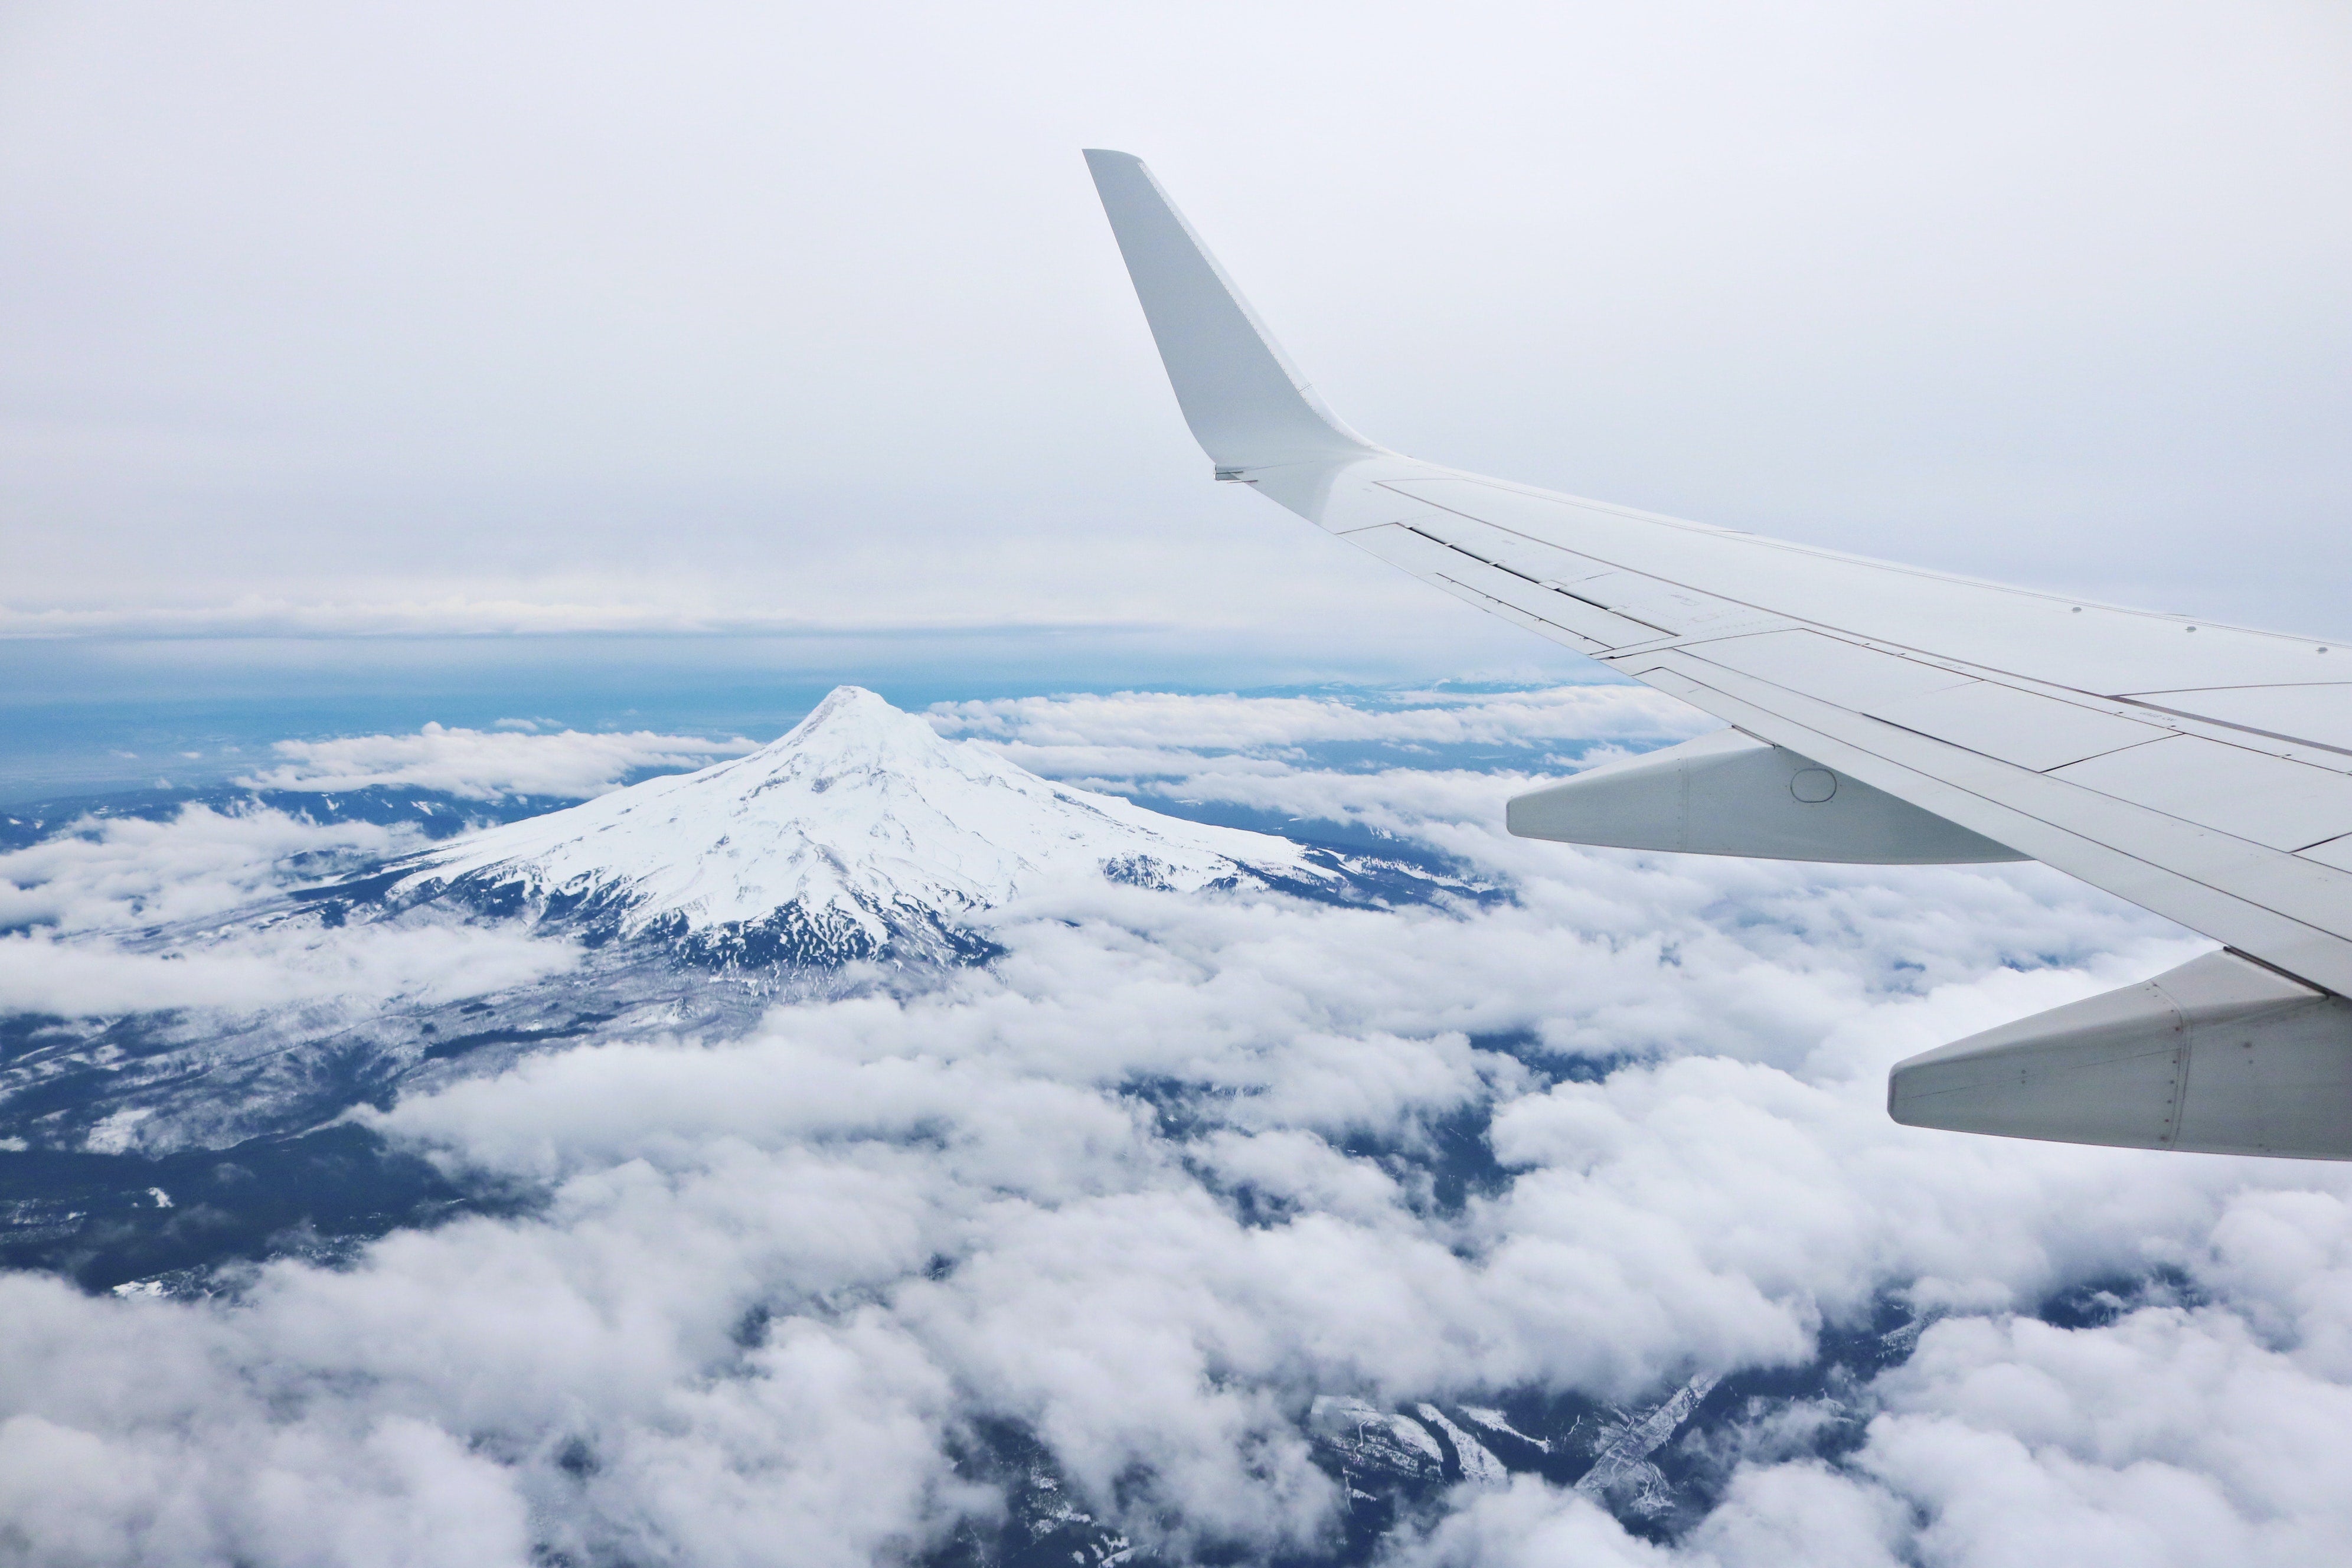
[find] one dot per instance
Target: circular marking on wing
(1813, 786)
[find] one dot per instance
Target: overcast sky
(464, 319)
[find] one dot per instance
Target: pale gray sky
(466, 318)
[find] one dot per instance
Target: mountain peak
(847, 707)
(859, 826)
(854, 727)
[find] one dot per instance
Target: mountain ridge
(861, 831)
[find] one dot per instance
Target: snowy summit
(860, 829)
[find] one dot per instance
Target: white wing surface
(2202, 771)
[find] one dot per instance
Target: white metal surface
(2285, 805)
(2318, 717)
(2021, 727)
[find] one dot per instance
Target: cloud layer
(84, 914)
(1159, 1176)
(488, 765)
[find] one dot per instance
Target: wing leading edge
(2200, 771)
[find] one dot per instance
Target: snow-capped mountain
(860, 834)
(861, 830)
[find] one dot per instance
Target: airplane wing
(1885, 713)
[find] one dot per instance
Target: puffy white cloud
(775, 1276)
(2171, 1435)
(1529, 1525)
(1806, 1511)
(83, 899)
(124, 872)
(488, 764)
(247, 971)
(397, 1491)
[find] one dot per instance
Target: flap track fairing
(1726, 794)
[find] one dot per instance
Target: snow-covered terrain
(859, 829)
(861, 834)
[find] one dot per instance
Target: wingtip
(1245, 402)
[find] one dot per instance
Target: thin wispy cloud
(487, 765)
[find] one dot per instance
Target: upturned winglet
(1246, 403)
